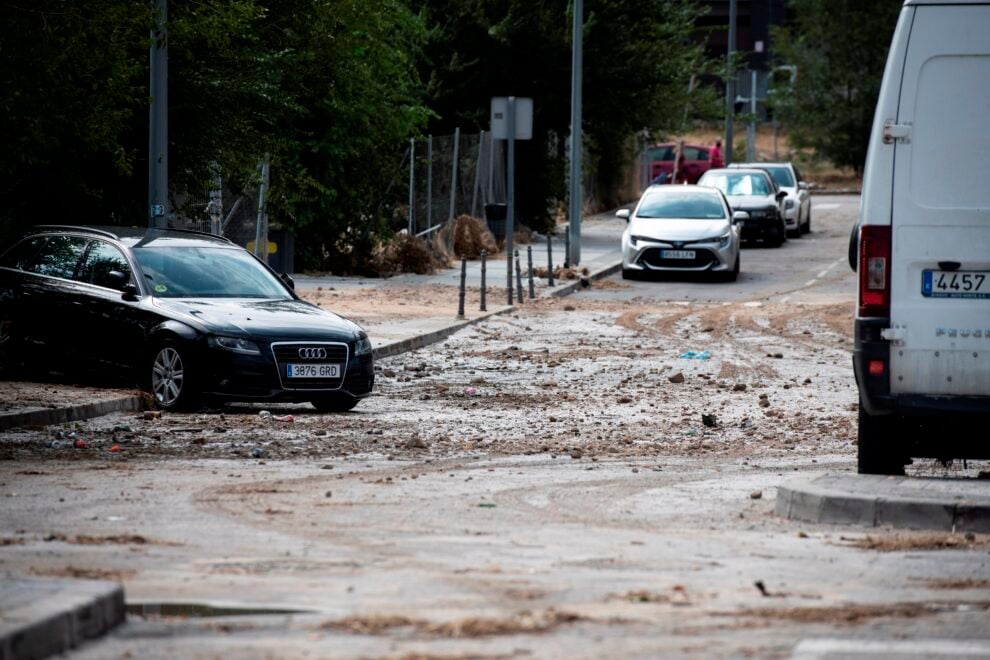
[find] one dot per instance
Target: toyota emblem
(313, 353)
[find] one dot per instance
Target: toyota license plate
(955, 284)
(312, 370)
(677, 254)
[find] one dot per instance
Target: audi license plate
(677, 254)
(955, 284)
(312, 370)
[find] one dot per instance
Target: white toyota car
(681, 228)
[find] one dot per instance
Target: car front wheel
(877, 451)
(171, 378)
(336, 403)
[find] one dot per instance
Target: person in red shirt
(715, 158)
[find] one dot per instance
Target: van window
(951, 133)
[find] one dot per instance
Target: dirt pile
(409, 254)
(467, 237)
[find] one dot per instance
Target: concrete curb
(601, 273)
(391, 349)
(394, 348)
(54, 616)
(837, 191)
(888, 505)
(45, 417)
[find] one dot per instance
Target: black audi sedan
(187, 316)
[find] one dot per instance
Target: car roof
(737, 170)
(758, 165)
(137, 237)
(668, 189)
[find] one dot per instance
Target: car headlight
(634, 239)
(723, 241)
(363, 347)
(788, 203)
(235, 345)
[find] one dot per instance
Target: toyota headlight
(235, 345)
(788, 203)
(723, 241)
(363, 347)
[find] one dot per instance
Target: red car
(661, 159)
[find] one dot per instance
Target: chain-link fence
(450, 176)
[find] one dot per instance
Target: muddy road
(586, 477)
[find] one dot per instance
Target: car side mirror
(130, 291)
(291, 283)
(739, 217)
(116, 280)
(623, 213)
(781, 194)
(802, 185)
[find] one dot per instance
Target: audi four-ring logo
(312, 353)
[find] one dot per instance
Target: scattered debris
(709, 420)
(696, 355)
(676, 378)
(756, 495)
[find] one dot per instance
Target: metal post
(412, 186)
(549, 260)
(567, 249)
(511, 195)
(529, 257)
(477, 175)
(576, 135)
(484, 270)
(751, 128)
(460, 304)
(730, 83)
(453, 174)
(261, 236)
(429, 182)
(158, 121)
(519, 289)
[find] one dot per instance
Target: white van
(922, 249)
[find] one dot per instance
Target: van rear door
(940, 264)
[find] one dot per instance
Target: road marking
(826, 207)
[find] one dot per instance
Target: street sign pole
(511, 197)
(158, 121)
(574, 227)
(730, 84)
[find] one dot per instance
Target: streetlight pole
(158, 121)
(730, 83)
(576, 138)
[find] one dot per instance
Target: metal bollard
(519, 289)
(460, 304)
(549, 260)
(484, 268)
(508, 280)
(529, 257)
(567, 248)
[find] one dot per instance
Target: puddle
(200, 610)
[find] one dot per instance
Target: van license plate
(955, 284)
(677, 254)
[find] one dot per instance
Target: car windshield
(695, 206)
(782, 175)
(207, 272)
(737, 184)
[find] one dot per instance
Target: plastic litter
(470, 391)
(79, 443)
(284, 418)
(696, 355)
(264, 414)
(115, 449)
(257, 452)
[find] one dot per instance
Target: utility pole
(576, 137)
(730, 83)
(158, 121)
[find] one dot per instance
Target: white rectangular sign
(500, 122)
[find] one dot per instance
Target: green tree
(839, 47)
(638, 60)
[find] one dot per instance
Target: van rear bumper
(874, 390)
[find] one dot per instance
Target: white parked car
(922, 245)
(797, 204)
(681, 228)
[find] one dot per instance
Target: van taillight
(874, 271)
